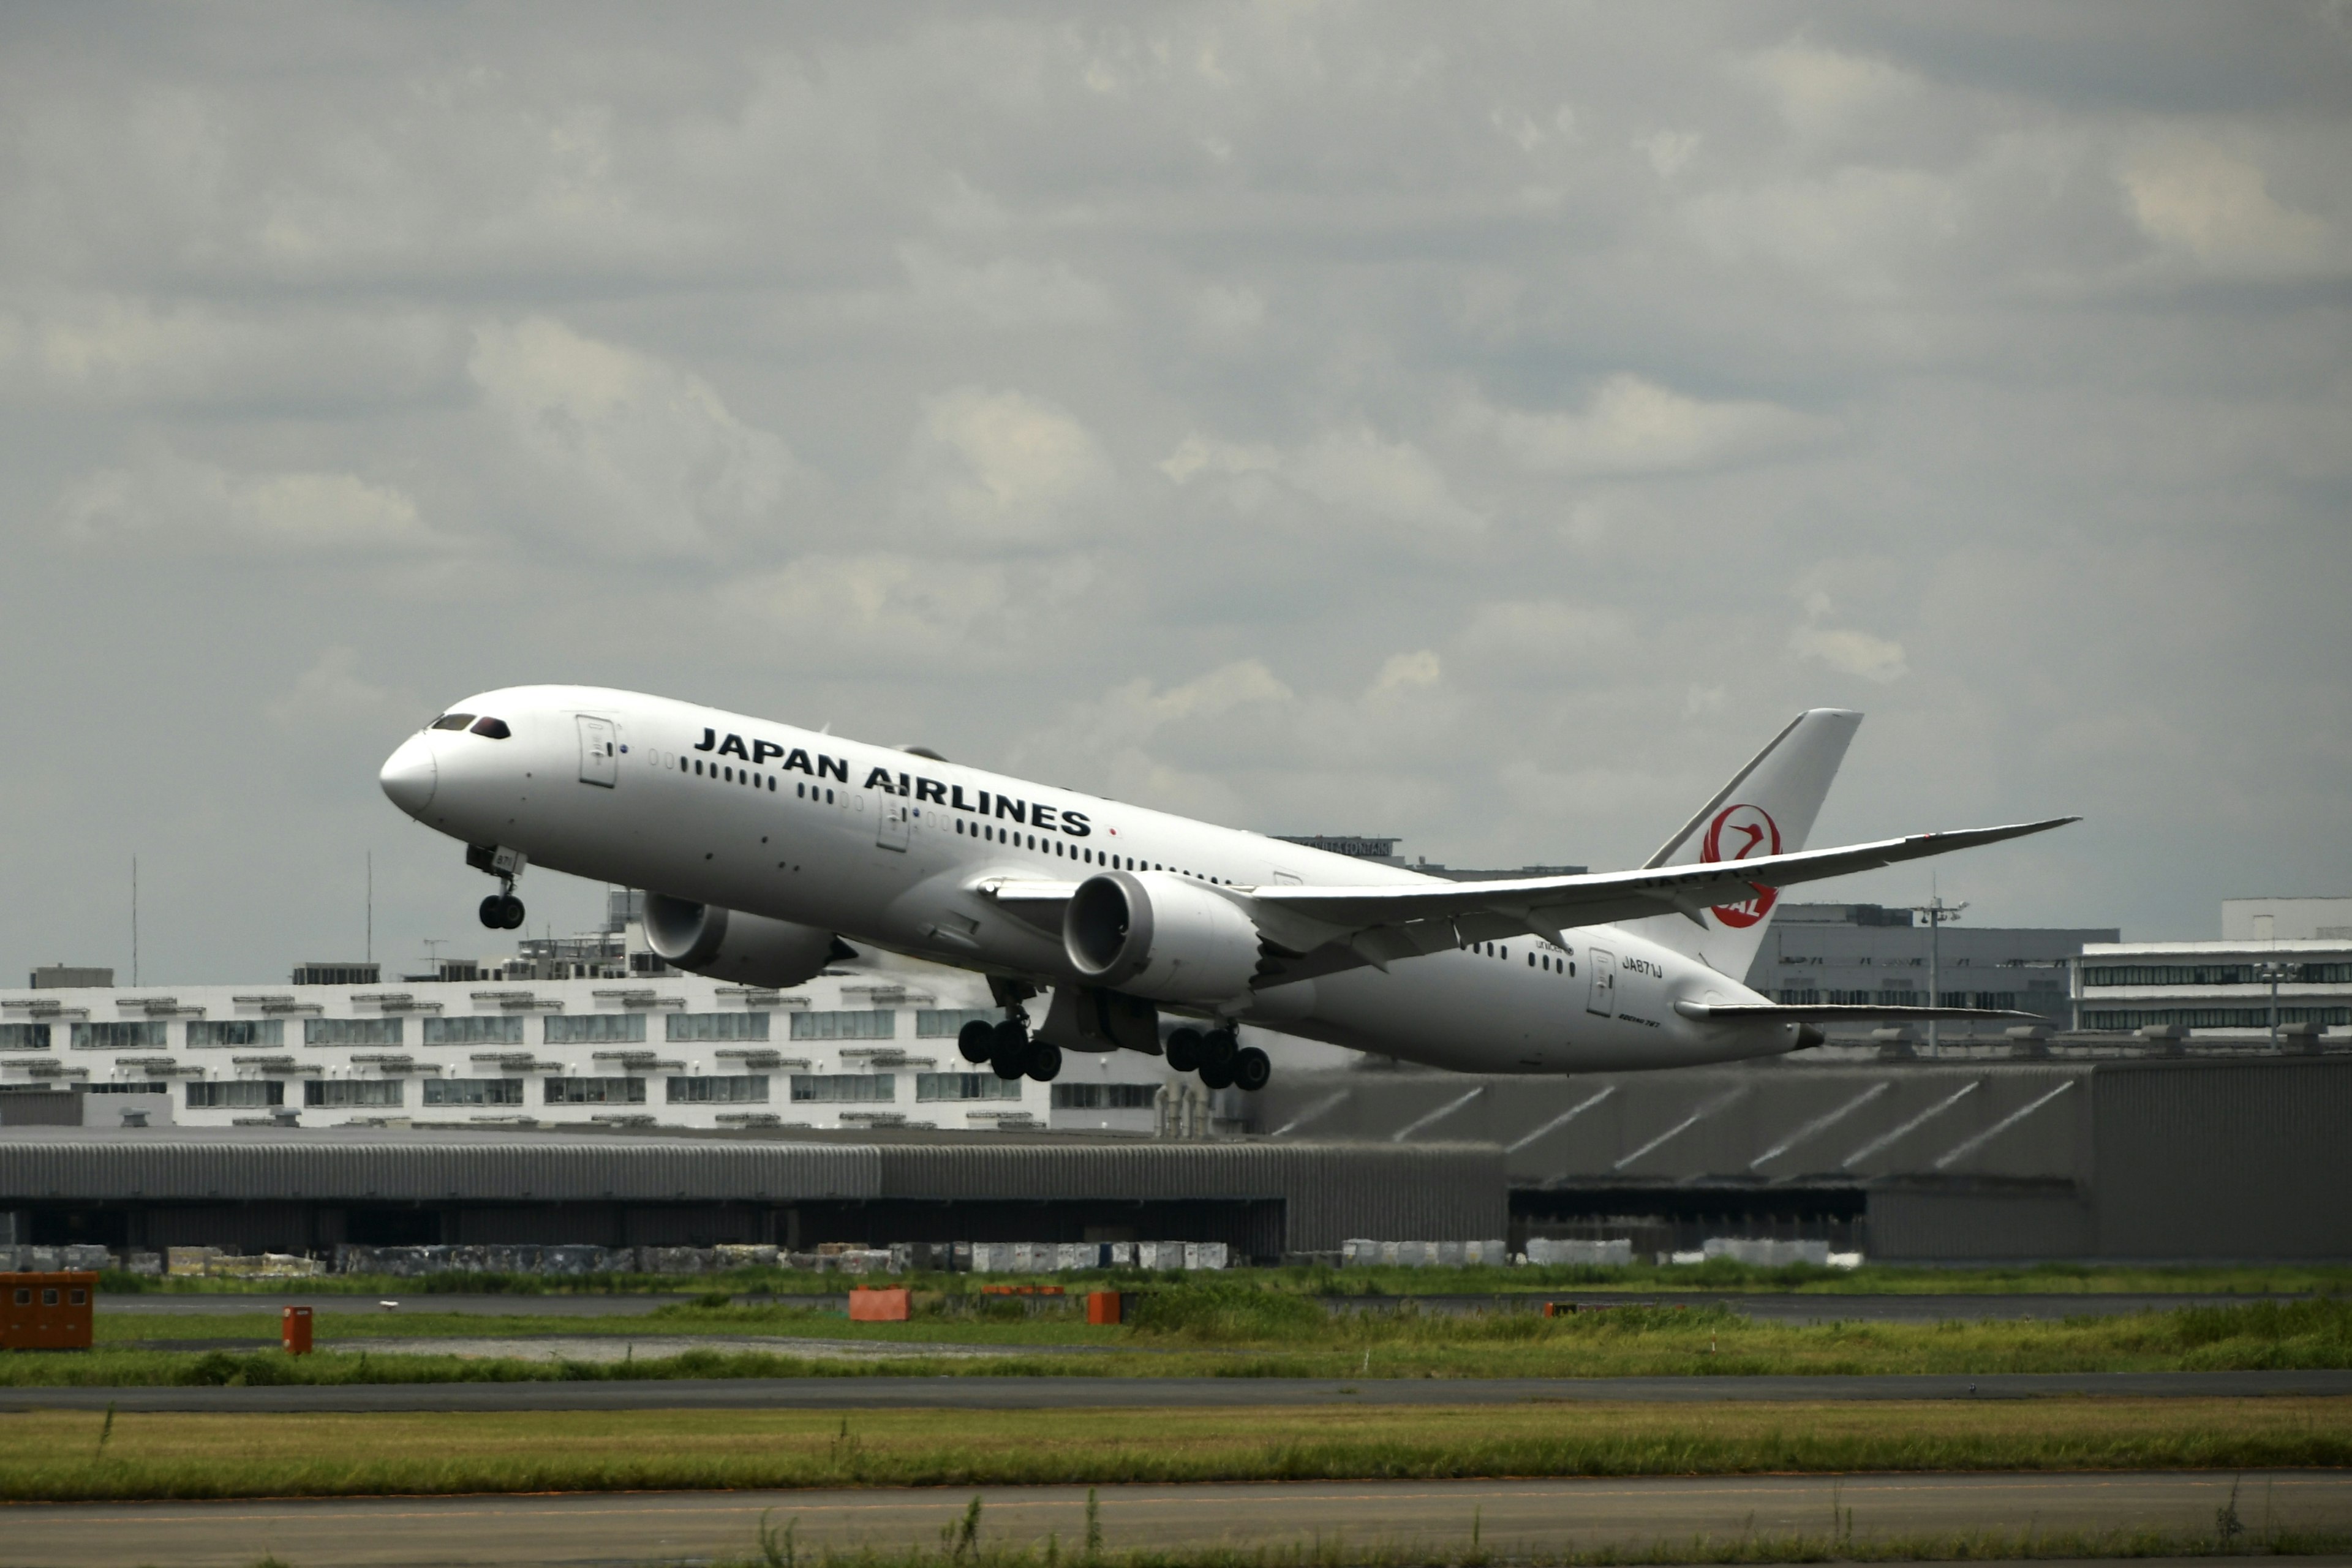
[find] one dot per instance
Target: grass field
(1234, 1329)
(64, 1455)
(1829, 1546)
(1720, 1274)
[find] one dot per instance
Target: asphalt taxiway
(879, 1390)
(1509, 1517)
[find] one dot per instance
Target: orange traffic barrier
(294, 1330)
(872, 1304)
(1104, 1307)
(47, 1312)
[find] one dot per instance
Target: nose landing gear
(501, 910)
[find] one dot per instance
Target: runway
(1509, 1517)
(881, 1391)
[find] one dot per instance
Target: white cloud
(1820, 92)
(1669, 151)
(1353, 474)
(1004, 468)
(622, 452)
(2195, 198)
(115, 351)
(171, 503)
(1635, 427)
(1007, 292)
(1554, 634)
(332, 691)
(1860, 231)
(1406, 672)
(1847, 651)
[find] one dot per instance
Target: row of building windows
(2210, 1018)
(556, 1029)
(1903, 997)
(737, 1088)
(2212, 974)
(1105, 1096)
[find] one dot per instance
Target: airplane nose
(410, 775)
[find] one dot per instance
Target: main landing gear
(1220, 1059)
(1007, 1047)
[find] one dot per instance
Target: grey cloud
(1487, 430)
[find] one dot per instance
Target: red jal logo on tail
(1738, 833)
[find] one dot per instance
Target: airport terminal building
(848, 1049)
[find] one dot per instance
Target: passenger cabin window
(451, 721)
(493, 729)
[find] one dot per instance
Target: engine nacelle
(1151, 934)
(728, 944)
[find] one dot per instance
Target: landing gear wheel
(494, 911)
(1251, 1068)
(1183, 1049)
(977, 1040)
(1216, 1075)
(1218, 1049)
(1010, 1055)
(1045, 1061)
(510, 912)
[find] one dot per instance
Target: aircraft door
(600, 760)
(1602, 997)
(890, 833)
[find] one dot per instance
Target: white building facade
(850, 1048)
(2298, 992)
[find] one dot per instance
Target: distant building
(1385, 851)
(1354, 846)
(2282, 969)
(2286, 920)
(61, 976)
(1869, 954)
(870, 1048)
(331, 973)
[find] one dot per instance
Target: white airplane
(763, 849)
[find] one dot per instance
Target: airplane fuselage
(907, 853)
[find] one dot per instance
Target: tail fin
(1768, 808)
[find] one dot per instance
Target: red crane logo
(1749, 831)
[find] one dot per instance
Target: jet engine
(1151, 934)
(728, 944)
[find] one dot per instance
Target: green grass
(1230, 1328)
(1720, 1274)
(778, 1549)
(57, 1456)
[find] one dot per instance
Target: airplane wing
(1397, 920)
(1039, 902)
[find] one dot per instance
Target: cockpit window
(496, 729)
(451, 721)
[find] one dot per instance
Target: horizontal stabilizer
(1842, 1014)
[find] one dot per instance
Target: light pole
(2273, 973)
(1937, 913)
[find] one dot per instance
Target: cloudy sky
(1482, 425)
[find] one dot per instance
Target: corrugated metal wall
(187, 1164)
(2200, 1159)
(1322, 1192)
(1953, 1226)
(1330, 1191)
